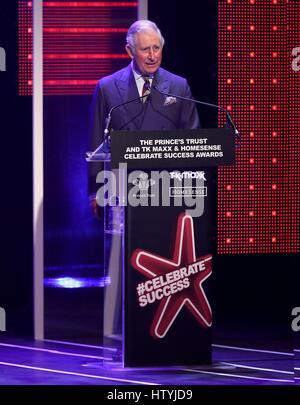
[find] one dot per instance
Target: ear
(129, 51)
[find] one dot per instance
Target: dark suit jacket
(158, 113)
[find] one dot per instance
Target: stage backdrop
(257, 77)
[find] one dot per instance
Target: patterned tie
(146, 88)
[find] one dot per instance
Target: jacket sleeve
(189, 118)
(97, 125)
(97, 117)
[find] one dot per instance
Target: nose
(151, 53)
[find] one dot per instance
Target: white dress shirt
(139, 79)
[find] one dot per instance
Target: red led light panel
(256, 79)
(82, 42)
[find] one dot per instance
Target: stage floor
(24, 362)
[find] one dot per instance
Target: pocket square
(170, 100)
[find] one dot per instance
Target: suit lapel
(128, 91)
(135, 111)
(163, 84)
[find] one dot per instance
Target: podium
(158, 190)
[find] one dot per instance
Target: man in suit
(144, 45)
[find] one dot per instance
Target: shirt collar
(137, 75)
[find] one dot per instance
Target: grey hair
(142, 26)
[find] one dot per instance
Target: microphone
(108, 118)
(104, 146)
(203, 103)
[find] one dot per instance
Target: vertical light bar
(143, 10)
(38, 220)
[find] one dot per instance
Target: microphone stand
(105, 145)
(203, 103)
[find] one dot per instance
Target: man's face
(147, 54)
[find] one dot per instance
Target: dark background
(253, 294)
(16, 263)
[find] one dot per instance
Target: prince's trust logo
(174, 283)
(142, 185)
(143, 182)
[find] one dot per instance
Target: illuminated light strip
(259, 368)
(38, 349)
(37, 170)
(69, 82)
(110, 349)
(80, 345)
(84, 30)
(238, 376)
(86, 56)
(75, 267)
(49, 370)
(91, 4)
(247, 349)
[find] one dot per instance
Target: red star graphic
(194, 298)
